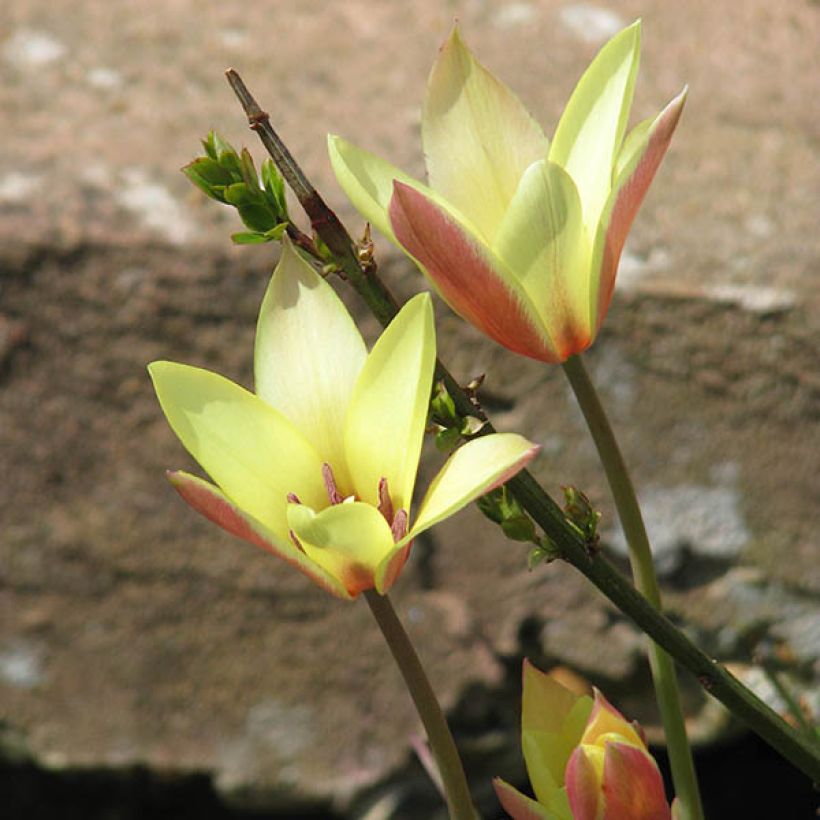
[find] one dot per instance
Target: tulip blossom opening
(584, 759)
(318, 466)
(519, 235)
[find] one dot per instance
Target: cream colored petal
(367, 180)
(544, 243)
(308, 356)
(388, 410)
(251, 450)
(347, 540)
(474, 469)
(212, 503)
(593, 124)
(478, 137)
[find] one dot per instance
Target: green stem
(442, 744)
(802, 752)
(643, 571)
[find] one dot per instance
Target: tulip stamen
(385, 502)
(296, 542)
(399, 525)
(293, 498)
(333, 494)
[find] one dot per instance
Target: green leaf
(275, 186)
(257, 217)
(248, 169)
(250, 238)
(277, 232)
(202, 183)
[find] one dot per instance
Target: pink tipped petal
(627, 195)
(517, 805)
(582, 786)
(605, 719)
(478, 137)
(210, 502)
(632, 785)
(468, 275)
(390, 568)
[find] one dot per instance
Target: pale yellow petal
(544, 243)
(347, 540)
(308, 356)
(474, 469)
(251, 450)
(478, 137)
(367, 180)
(388, 410)
(593, 124)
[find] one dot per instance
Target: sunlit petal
(388, 409)
(308, 356)
(544, 242)
(348, 540)
(474, 469)
(212, 503)
(367, 180)
(593, 124)
(251, 450)
(478, 138)
(468, 275)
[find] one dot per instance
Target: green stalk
(643, 572)
(456, 791)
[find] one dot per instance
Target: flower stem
(643, 571)
(442, 744)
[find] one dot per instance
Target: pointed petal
(632, 785)
(469, 276)
(583, 785)
(388, 410)
(308, 356)
(544, 242)
(251, 450)
(605, 719)
(478, 138)
(211, 502)
(474, 469)
(367, 180)
(552, 721)
(641, 157)
(347, 540)
(593, 124)
(517, 805)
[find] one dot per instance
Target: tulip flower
(318, 467)
(584, 759)
(520, 236)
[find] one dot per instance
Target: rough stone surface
(130, 630)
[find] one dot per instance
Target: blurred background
(150, 666)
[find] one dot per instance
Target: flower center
(397, 519)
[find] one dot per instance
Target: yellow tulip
(319, 465)
(520, 236)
